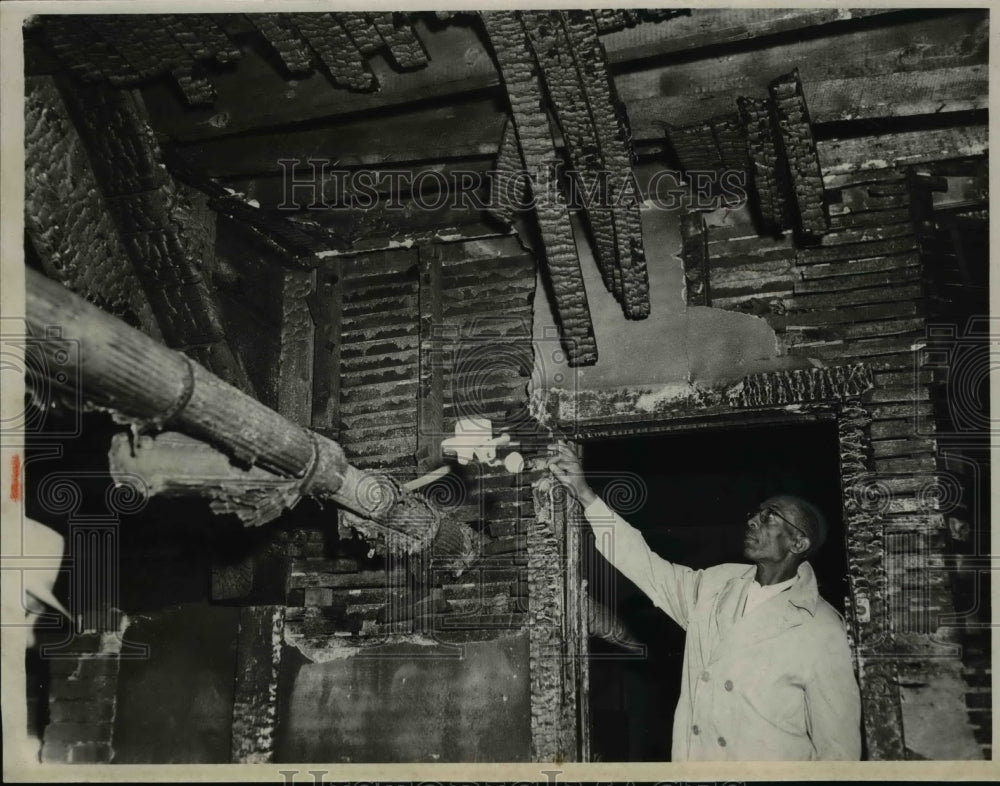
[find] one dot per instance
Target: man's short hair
(811, 518)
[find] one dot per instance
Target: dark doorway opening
(699, 486)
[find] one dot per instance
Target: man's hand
(566, 466)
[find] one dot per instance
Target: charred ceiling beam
(280, 33)
(796, 135)
(767, 180)
(290, 241)
(524, 88)
(403, 43)
(565, 84)
(344, 64)
(614, 141)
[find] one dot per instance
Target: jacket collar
(736, 630)
(804, 593)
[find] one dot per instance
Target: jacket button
(705, 676)
(695, 729)
(722, 742)
(729, 685)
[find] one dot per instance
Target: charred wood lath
(517, 67)
(379, 357)
(714, 145)
(483, 361)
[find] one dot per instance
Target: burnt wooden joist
(884, 75)
(767, 176)
(799, 147)
(847, 161)
(614, 140)
(833, 99)
(510, 47)
(565, 84)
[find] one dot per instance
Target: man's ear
(801, 546)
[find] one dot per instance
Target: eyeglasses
(767, 512)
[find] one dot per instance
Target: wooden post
(557, 644)
(255, 703)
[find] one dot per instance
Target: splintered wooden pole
(114, 366)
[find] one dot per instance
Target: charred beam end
(122, 370)
(795, 133)
(767, 173)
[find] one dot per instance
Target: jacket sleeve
(673, 588)
(833, 702)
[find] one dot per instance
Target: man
(767, 670)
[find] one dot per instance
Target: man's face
(769, 537)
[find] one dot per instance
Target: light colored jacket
(777, 683)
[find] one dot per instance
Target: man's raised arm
(673, 588)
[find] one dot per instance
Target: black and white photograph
(585, 389)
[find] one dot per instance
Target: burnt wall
(416, 702)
